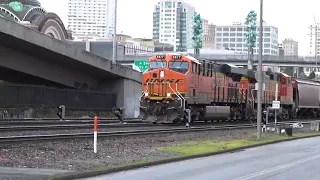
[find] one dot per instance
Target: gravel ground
(77, 154)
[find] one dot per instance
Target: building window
(239, 29)
(267, 29)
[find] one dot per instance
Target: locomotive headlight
(161, 74)
(168, 94)
(146, 94)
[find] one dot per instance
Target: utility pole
(259, 94)
(251, 35)
(115, 47)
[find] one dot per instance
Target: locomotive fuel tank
(216, 112)
(308, 94)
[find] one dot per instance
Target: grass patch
(129, 163)
(202, 147)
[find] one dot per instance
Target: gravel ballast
(78, 155)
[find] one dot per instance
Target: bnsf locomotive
(175, 82)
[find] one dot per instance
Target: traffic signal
(251, 27)
(61, 111)
(197, 31)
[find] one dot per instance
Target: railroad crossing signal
(141, 64)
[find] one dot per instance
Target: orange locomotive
(176, 82)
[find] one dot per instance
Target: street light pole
(114, 46)
(259, 94)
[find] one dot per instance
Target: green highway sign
(142, 64)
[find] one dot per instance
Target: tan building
(205, 24)
(208, 34)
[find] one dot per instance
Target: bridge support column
(128, 92)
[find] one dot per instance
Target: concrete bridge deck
(29, 41)
(25, 50)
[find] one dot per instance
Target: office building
(290, 47)
(233, 37)
(91, 18)
(173, 23)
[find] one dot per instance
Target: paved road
(28, 173)
(295, 160)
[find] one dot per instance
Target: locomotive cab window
(194, 67)
(179, 66)
(157, 64)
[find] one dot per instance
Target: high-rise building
(91, 18)
(173, 24)
(314, 32)
(290, 47)
(234, 37)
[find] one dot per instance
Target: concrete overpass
(26, 50)
(241, 60)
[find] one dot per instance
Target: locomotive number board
(160, 56)
(176, 57)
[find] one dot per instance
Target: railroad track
(19, 139)
(87, 124)
(69, 118)
(7, 122)
(70, 127)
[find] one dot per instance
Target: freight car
(177, 82)
(306, 95)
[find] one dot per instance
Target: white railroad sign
(275, 104)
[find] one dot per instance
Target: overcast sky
(292, 17)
